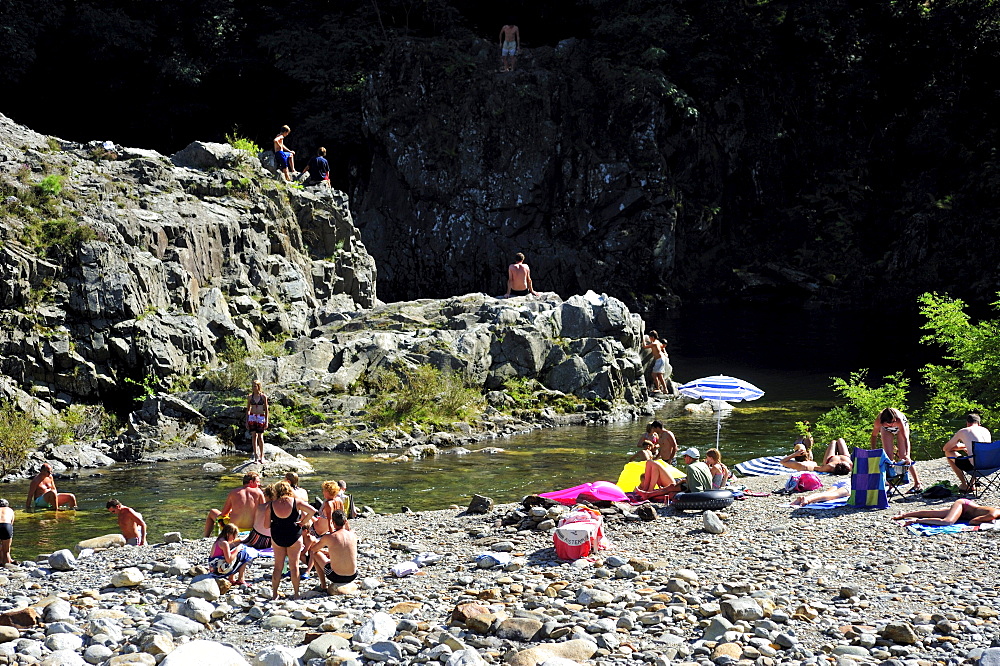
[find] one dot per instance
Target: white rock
(276, 655)
(57, 642)
(379, 627)
(62, 560)
(203, 587)
(63, 658)
(204, 653)
(129, 577)
(97, 654)
(713, 524)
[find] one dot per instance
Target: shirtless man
(284, 158)
(6, 532)
(659, 352)
(961, 443)
(510, 46)
(240, 505)
(298, 491)
(519, 278)
(836, 461)
(42, 492)
(260, 534)
(130, 522)
(961, 510)
(339, 565)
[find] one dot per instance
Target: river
(790, 354)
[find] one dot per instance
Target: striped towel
(766, 466)
(829, 504)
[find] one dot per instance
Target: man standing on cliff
(240, 505)
(510, 45)
(519, 278)
(130, 523)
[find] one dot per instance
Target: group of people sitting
(658, 449)
(310, 538)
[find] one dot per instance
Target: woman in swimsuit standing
(6, 532)
(286, 534)
(891, 424)
(257, 417)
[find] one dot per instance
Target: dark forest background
(867, 130)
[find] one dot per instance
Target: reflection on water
(176, 496)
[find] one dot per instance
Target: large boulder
(204, 653)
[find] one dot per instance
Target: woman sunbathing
(836, 461)
(963, 510)
(656, 481)
(841, 489)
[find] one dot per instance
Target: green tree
(853, 419)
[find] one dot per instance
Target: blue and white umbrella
(722, 388)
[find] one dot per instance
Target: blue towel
(829, 504)
(766, 466)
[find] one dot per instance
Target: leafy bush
(422, 394)
(17, 433)
(51, 186)
(56, 237)
(237, 374)
(242, 143)
(853, 420)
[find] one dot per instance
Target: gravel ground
(779, 586)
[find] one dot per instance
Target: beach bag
(578, 534)
(803, 482)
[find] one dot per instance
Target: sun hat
(693, 452)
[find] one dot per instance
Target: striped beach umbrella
(722, 388)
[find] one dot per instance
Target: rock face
(529, 163)
(157, 262)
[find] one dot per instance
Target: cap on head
(692, 453)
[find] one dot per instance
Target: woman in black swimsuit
(6, 531)
(286, 534)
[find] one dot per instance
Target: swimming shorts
(134, 541)
(257, 540)
(519, 292)
(660, 366)
(256, 422)
(281, 158)
(509, 49)
(41, 502)
(334, 577)
(6, 531)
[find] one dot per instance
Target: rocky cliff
(538, 161)
(122, 264)
(128, 275)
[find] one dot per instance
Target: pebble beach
(778, 586)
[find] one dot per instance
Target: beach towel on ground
(829, 504)
(600, 490)
(766, 466)
(628, 480)
(930, 530)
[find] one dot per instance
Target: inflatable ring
(703, 501)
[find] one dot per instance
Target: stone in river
(62, 560)
(204, 653)
(102, 542)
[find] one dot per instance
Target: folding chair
(868, 479)
(985, 463)
(897, 477)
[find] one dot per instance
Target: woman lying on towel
(842, 489)
(962, 511)
(836, 461)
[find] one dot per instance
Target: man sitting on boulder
(339, 565)
(240, 505)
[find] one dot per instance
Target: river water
(791, 355)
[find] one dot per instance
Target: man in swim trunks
(6, 532)
(960, 444)
(339, 565)
(130, 522)
(659, 351)
(964, 510)
(510, 46)
(836, 461)
(241, 504)
(284, 159)
(42, 492)
(519, 278)
(260, 534)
